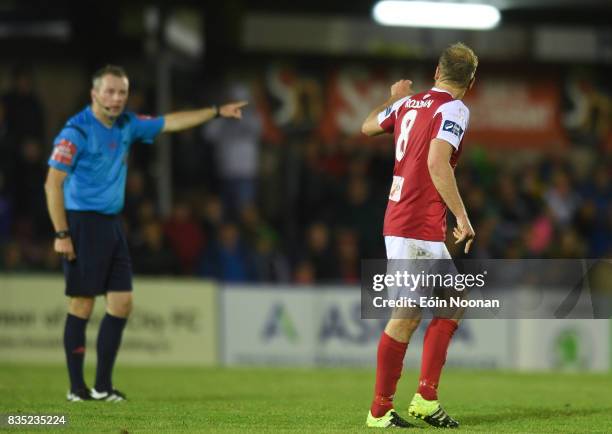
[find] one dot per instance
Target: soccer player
(429, 128)
(85, 190)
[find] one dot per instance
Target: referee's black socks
(74, 346)
(109, 340)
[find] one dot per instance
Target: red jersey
(415, 208)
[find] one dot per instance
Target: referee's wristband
(60, 235)
(217, 112)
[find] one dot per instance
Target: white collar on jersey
(435, 89)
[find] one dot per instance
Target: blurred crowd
(303, 211)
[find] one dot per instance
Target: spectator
(270, 264)
(304, 274)
(12, 258)
(227, 258)
(561, 199)
(319, 252)
(211, 213)
(237, 153)
(185, 236)
(347, 244)
(153, 256)
(540, 235)
(30, 204)
(360, 212)
(254, 227)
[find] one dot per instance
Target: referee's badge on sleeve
(63, 152)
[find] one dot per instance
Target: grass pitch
(174, 399)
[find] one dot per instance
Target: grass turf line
(176, 399)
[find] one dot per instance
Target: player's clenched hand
(402, 88)
(464, 232)
(232, 110)
(65, 248)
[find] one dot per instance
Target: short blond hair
(114, 70)
(458, 64)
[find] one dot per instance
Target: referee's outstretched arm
(183, 120)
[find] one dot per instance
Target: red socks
(390, 361)
(435, 345)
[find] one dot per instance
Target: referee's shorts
(102, 256)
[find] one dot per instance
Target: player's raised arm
(372, 125)
(443, 177)
(183, 120)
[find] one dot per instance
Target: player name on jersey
(416, 104)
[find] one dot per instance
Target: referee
(85, 190)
